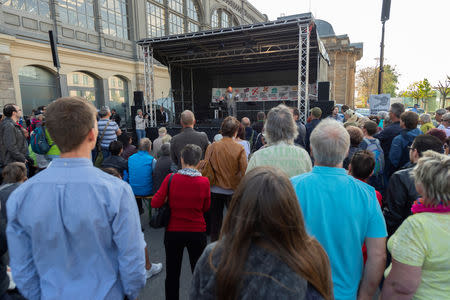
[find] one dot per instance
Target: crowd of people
(341, 207)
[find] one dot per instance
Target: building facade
(97, 45)
(343, 56)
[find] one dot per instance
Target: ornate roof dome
(324, 28)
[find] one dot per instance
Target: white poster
(379, 103)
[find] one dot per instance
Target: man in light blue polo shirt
(342, 213)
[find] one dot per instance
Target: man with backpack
(373, 145)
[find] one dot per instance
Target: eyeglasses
(411, 148)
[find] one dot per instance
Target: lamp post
(385, 11)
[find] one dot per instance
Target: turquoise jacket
(140, 169)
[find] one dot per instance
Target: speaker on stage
(138, 98)
(325, 106)
(324, 90)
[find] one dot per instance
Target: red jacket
(190, 197)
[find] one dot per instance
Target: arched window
(82, 85)
(225, 22)
(77, 12)
(37, 87)
(118, 95)
(177, 17)
(215, 19)
(220, 18)
(114, 18)
(36, 7)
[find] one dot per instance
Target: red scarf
(420, 207)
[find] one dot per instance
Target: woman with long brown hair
(263, 251)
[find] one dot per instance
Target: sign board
(379, 103)
(260, 93)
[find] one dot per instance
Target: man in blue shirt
(74, 231)
(342, 213)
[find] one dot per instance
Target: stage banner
(259, 93)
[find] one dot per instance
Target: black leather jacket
(400, 196)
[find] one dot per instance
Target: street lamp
(385, 11)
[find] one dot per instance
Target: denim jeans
(140, 134)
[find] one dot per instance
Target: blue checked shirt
(74, 233)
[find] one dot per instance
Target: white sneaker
(155, 269)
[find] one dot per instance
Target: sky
(417, 38)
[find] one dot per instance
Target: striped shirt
(110, 132)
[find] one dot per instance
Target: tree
(444, 90)
(412, 92)
(420, 90)
(367, 81)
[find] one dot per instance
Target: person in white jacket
(141, 124)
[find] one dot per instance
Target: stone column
(103, 92)
(63, 85)
(7, 94)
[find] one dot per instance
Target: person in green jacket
(425, 122)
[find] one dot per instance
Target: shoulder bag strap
(168, 187)
(103, 133)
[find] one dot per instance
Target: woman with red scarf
(420, 266)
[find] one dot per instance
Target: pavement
(154, 288)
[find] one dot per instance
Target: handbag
(99, 158)
(205, 167)
(161, 217)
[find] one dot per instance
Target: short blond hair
(432, 172)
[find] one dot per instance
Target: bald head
(187, 118)
(245, 121)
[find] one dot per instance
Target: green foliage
(367, 81)
(420, 90)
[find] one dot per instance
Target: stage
(286, 53)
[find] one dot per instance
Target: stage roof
(247, 48)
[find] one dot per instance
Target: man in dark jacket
(300, 140)
(316, 113)
(389, 133)
(188, 135)
(115, 160)
(401, 192)
(399, 152)
(13, 144)
(250, 134)
(13, 175)
(163, 167)
(259, 124)
(115, 116)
